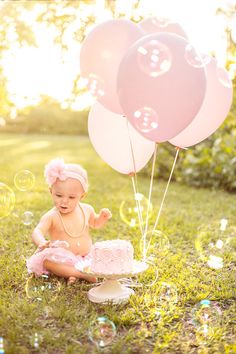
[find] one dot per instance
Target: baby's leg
(66, 271)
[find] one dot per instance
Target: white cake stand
(111, 290)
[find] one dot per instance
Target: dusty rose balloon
(159, 91)
(100, 57)
(111, 138)
(155, 24)
(214, 110)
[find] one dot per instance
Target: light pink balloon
(155, 24)
(214, 110)
(160, 92)
(110, 137)
(100, 57)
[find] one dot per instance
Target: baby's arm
(41, 230)
(98, 220)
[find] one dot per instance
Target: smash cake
(112, 257)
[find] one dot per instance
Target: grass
(61, 316)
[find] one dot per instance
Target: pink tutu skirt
(57, 255)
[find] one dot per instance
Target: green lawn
(63, 316)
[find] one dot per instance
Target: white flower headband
(57, 168)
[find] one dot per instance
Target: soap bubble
(167, 295)
(146, 119)
(204, 334)
(24, 180)
(196, 59)
(154, 245)
(36, 340)
(2, 342)
(102, 332)
(7, 200)
(163, 300)
(149, 277)
(27, 218)
(224, 77)
(42, 288)
(95, 85)
(215, 245)
(133, 207)
(207, 313)
(154, 58)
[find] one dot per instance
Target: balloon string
(140, 218)
(149, 203)
(167, 186)
(135, 182)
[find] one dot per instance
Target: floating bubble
(160, 22)
(206, 313)
(224, 77)
(194, 58)
(215, 246)
(27, 218)
(150, 277)
(7, 200)
(36, 340)
(163, 300)
(102, 332)
(154, 244)
(168, 295)
(146, 119)
(154, 58)
(24, 180)
(204, 334)
(95, 86)
(2, 349)
(42, 288)
(133, 207)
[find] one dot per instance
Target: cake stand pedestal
(111, 290)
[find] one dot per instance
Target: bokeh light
(132, 207)
(207, 313)
(43, 288)
(102, 332)
(24, 180)
(146, 119)
(27, 218)
(7, 200)
(154, 58)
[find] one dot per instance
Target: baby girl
(67, 225)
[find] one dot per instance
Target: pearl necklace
(65, 228)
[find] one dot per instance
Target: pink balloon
(100, 57)
(214, 110)
(160, 85)
(110, 135)
(155, 24)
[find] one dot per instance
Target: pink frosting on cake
(112, 257)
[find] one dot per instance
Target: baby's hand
(42, 246)
(105, 214)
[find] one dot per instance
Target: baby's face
(66, 194)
